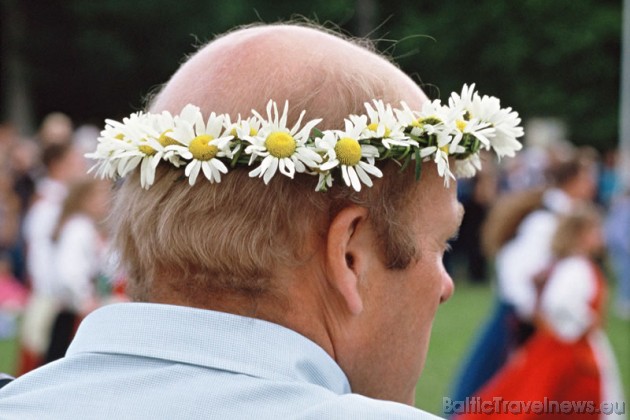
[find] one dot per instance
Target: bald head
(316, 71)
(262, 227)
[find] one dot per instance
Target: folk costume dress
(517, 264)
(568, 358)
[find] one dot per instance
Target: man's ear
(345, 254)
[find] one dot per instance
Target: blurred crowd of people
(521, 182)
(55, 267)
(545, 221)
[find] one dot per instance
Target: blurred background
(97, 59)
(66, 65)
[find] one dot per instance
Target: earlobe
(342, 255)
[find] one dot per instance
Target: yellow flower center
(200, 148)
(461, 125)
(280, 144)
(166, 140)
(421, 122)
(444, 149)
(348, 151)
(147, 150)
(120, 136)
(374, 127)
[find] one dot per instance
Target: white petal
(273, 167)
(427, 151)
(356, 184)
(131, 165)
(344, 174)
(283, 119)
(155, 159)
(144, 175)
(371, 169)
(299, 166)
(207, 171)
(180, 151)
(192, 170)
(219, 165)
(303, 134)
(189, 112)
(266, 163)
(286, 167)
(255, 172)
(307, 154)
(296, 126)
(326, 166)
(363, 176)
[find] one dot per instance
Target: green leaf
(406, 163)
(236, 157)
(316, 132)
(418, 164)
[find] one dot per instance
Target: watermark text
(500, 405)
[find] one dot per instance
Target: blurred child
(517, 233)
(64, 164)
(568, 358)
(80, 249)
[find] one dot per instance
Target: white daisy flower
(138, 146)
(239, 130)
(281, 148)
(430, 120)
(104, 166)
(469, 122)
(439, 154)
(117, 136)
(124, 146)
(406, 116)
(344, 149)
(504, 120)
(460, 128)
(205, 143)
(467, 168)
(463, 102)
(325, 181)
(507, 130)
(487, 110)
(441, 160)
(163, 125)
(384, 125)
(111, 143)
(136, 141)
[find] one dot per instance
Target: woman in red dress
(566, 369)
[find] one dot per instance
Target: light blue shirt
(151, 361)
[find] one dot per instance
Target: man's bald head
(314, 70)
(232, 237)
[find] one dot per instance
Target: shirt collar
(211, 339)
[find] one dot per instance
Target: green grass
(455, 329)
(8, 356)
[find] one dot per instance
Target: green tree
(544, 58)
(559, 58)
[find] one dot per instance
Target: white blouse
(79, 257)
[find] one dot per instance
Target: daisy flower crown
(264, 143)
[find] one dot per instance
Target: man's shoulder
(350, 406)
